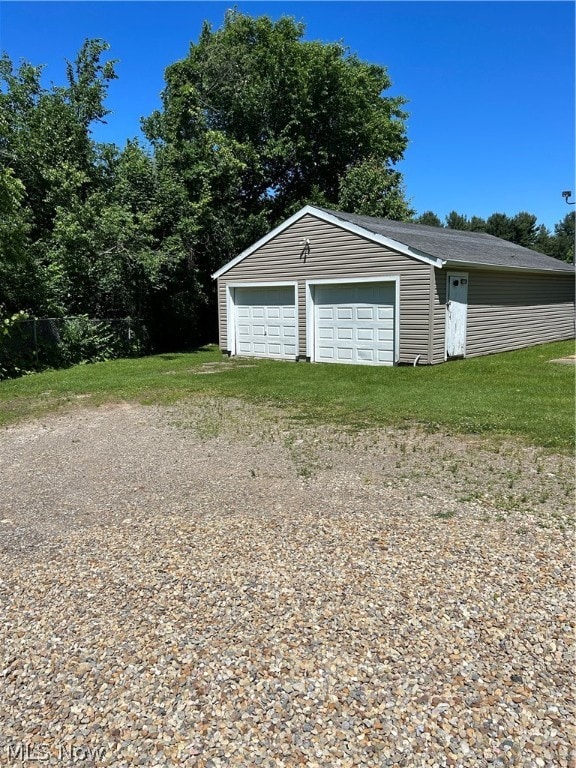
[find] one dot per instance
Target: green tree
(371, 189)
(524, 229)
(500, 225)
(257, 122)
(88, 81)
(456, 220)
(544, 242)
(15, 267)
(564, 234)
(477, 224)
(430, 219)
(45, 144)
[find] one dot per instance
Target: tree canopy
(280, 119)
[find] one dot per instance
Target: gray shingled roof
(452, 245)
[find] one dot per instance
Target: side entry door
(456, 313)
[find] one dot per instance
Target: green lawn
(517, 393)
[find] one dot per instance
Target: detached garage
(327, 286)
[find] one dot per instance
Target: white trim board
(346, 225)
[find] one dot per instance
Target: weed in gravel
(471, 496)
(304, 471)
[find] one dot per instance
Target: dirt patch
(570, 360)
(207, 368)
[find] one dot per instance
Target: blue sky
(490, 84)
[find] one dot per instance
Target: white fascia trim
(231, 308)
(347, 225)
(310, 328)
(263, 240)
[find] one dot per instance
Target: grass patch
(517, 394)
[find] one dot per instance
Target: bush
(10, 364)
(85, 341)
(28, 345)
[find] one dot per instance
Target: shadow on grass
(168, 356)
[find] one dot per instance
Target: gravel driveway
(212, 586)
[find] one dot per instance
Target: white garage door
(266, 321)
(354, 323)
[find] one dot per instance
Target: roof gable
(330, 217)
(436, 246)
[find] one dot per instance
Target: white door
(456, 313)
(265, 320)
(354, 323)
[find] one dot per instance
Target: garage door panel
(385, 334)
(386, 313)
(366, 355)
(385, 358)
(354, 323)
(365, 313)
(266, 321)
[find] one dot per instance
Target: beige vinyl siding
(336, 254)
(509, 310)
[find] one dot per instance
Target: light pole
(566, 194)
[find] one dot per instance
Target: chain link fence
(56, 342)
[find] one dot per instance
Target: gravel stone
(215, 584)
